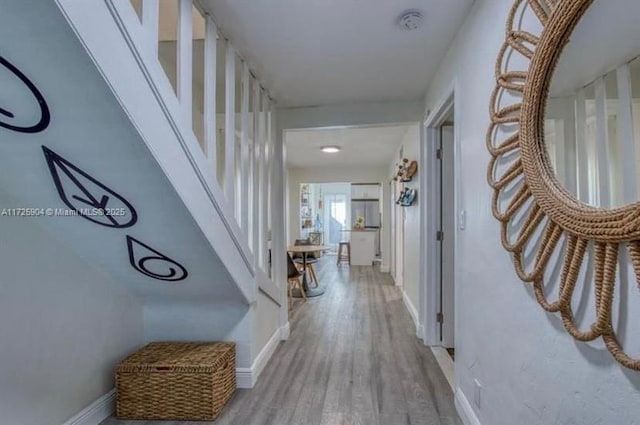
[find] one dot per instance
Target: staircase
(97, 152)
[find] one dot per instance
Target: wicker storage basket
(176, 381)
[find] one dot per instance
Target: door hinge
(438, 153)
(440, 235)
(440, 318)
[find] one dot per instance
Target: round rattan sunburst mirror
(555, 230)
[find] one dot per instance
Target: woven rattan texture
(176, 381)
(527, 190)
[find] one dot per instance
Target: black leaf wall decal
(140, 255)
(87, 196)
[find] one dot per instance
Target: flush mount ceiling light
(410, 19)
(330, 149)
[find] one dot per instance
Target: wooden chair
(311, 260)
(293, 279)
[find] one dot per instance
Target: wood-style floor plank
(352, 359)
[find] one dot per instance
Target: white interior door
(448, 223)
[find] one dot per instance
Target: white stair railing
(228, 112)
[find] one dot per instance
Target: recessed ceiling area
(359, 146)
(321, 52)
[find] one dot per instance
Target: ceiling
(361, 146)
(319, 52)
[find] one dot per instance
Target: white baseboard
(412, 311)
(420, 332)
(446, 364)
(246, 377)
(265, 354)
(464, 409)
(97, 411)
(385, 269)
(285, 331)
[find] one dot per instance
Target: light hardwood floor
(352, 359)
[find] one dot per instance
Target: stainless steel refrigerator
(370, 210)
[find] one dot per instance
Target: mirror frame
(555, 223)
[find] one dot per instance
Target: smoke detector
(410, 19)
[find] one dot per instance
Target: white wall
(531, 370)
(411, 255)
(265, 324)
(64, 325)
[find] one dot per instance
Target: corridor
(352, 359)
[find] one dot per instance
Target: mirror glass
(592, 119)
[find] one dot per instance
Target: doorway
(324, 213)
(439, 231)
(446, 235)
(336, 212)
(398, 221)
(398, 234)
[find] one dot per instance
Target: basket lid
(178, 356)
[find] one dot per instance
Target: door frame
(430, 218)
(398, 236)
(392, 228)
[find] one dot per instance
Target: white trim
(385, 269)
(258, 170)
(440, 111)
(244, 204)
(256, 153)
(244, 377)
(321, 126)
(429, 181)
(230, 128)
(268, 287)
(420, 332)
(150, 22)
(285, 331)
(446, 365)
(280, 202)
(412, 311)
(210, 131)
(265, 354)
(263, 207)
(184, 80)
(464, 409)
(247, 377)
(96, 412)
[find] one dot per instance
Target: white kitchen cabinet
(362, 247)
(365, 191)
